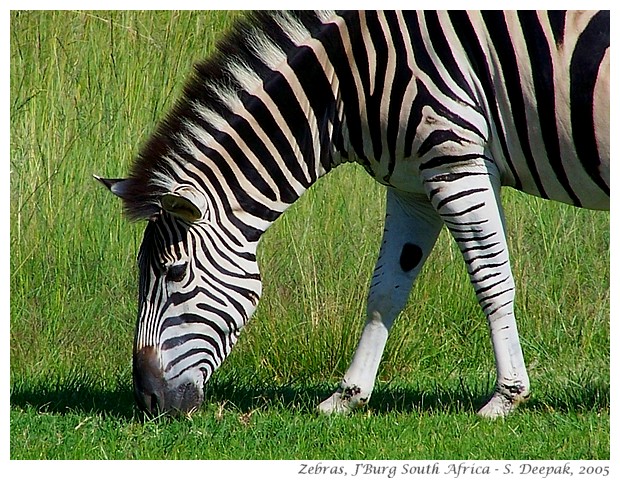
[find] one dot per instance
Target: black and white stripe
(441, 107)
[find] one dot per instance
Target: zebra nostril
(155, 404)
(149, 401)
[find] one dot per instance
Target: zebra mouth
(186, 398)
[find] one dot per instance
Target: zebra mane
(254, 47)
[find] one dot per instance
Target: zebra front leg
(468, 201)
(411, 228)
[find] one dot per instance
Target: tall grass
(86, 90)
(81, 104)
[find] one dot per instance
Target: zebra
(443, 108)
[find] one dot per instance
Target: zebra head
(196, 291)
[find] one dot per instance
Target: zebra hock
(443, 108)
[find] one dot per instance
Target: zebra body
(441, 107)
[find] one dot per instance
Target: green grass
(86, 90)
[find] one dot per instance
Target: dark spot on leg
(410, 257)
(513, 389)
(350, 392)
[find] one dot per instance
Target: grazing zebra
(443, 108)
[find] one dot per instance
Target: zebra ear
(137, 205)
(185, 202)
(116, 185)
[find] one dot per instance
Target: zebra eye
(176, 272)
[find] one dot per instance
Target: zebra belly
(571, 179)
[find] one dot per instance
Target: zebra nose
(148, 381)
(154, 394)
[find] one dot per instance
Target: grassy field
(86, 90)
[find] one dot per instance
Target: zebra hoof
(501, 405)
(343, 401)
(334, 405)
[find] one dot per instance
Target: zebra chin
(155, 395)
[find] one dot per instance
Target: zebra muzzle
(154, 394)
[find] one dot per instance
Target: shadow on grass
(80, 394)
(405, 398)
(305, 398)
(83, 394)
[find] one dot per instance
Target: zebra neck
(265, 131)
(258, 124)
